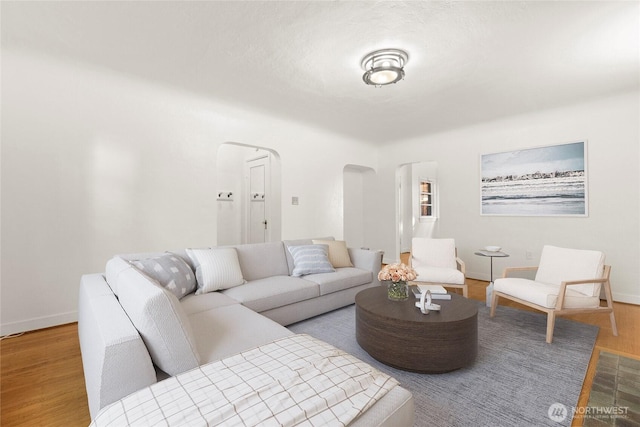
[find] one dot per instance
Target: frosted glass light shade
(383, 67)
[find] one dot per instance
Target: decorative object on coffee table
(397, 276)
(425, 303)
(399, 335)
(397, 291)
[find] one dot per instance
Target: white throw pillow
(338, 252)
(310, 259)
(216, 269)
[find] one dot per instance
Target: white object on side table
(491, 252)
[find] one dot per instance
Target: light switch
(294, 200)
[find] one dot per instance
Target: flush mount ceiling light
(384, 66)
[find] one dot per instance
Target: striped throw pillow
(310, 259)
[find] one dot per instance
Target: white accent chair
(567, 281)
(436, 261)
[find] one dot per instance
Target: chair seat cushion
(543, 294)
(439, 275)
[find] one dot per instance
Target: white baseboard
(38, 323)
(479, 276)
(626, 298)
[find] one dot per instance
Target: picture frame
(549, 180)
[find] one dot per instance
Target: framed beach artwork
(542, 181)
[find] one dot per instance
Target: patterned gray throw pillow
(170, 271)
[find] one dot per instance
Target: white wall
(611, 128)
(353, 204)
(230, 165)
(95, 163)
(406, 202)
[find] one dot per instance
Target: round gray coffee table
(399, 335)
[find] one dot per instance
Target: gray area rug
(514, 381)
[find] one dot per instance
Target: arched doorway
(412, 220)
(248, 194)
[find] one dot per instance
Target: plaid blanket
(293, 381)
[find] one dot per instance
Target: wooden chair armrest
(461, 266)
(513, 269)
(563, 288)
(582, 281)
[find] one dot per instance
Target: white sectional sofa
(136, 330)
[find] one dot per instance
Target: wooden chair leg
(494, 303)
(614, 328)
(608, 294)
(551, 321)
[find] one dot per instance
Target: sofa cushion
(157, 315)
(562, 264)
(543, 294)
(216, 268)
(271, 292)
(260, 260)
(114, 267)
(343, 278)
(228, 330)
(193, 303)
(310, 259)
(171, 272)
(338, 252)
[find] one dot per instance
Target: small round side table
(491, 255)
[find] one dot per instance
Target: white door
(258, 185)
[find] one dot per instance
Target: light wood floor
(43, 385)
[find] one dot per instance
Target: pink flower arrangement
(397, 273)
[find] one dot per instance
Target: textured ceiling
(468, 61)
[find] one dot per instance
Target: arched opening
(249, 198)
(417, 195)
